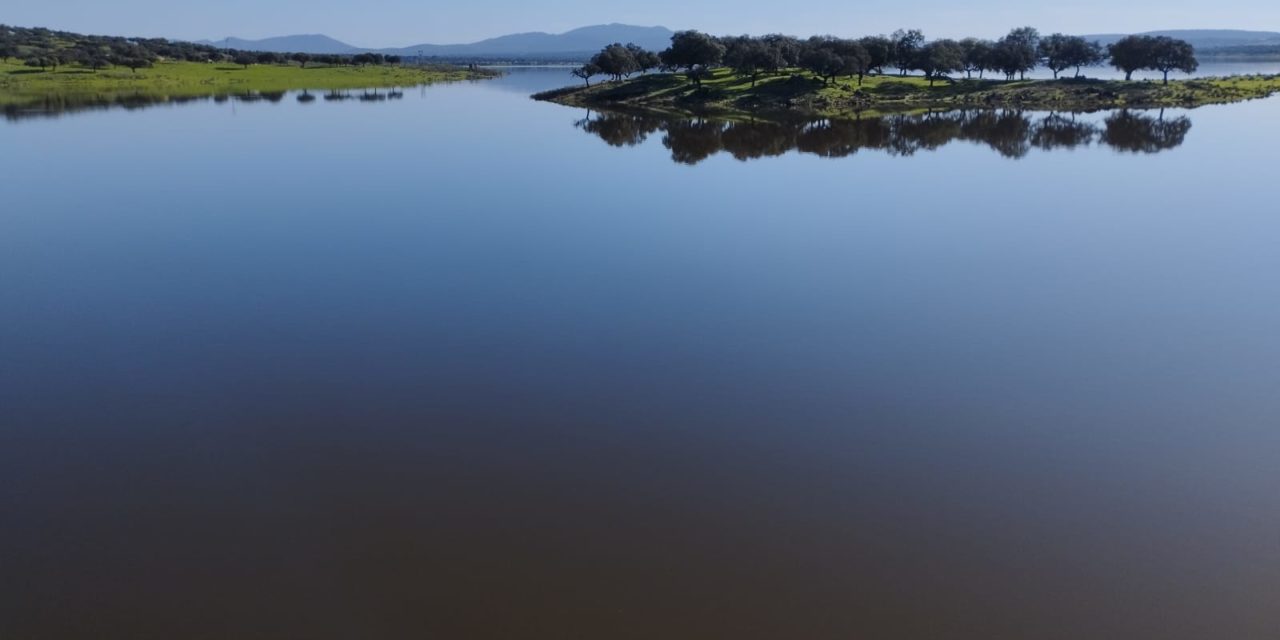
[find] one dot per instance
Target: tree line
(696, 54)
(48, 49)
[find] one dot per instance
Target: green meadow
(21, 84)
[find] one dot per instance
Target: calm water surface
(456, 365)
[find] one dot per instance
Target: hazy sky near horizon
(385, 23)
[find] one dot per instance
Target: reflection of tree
(692, 141)
(619, 130)
(748, 140)
(1012, 134)
(928, 132)
(840, 138)
(58, 105)
(1060, 132)
(1138, 133)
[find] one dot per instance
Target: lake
(458, 364)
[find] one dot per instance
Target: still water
(462, 365)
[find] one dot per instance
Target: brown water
(462, 365)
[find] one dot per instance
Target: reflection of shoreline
(1012, 134)
(54, 106)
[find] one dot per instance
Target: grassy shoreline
(800, 92)
(24, 85)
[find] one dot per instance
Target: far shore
(21, 84)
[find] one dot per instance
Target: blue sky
(407, 22)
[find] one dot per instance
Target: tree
(301, 59)
(694, 52)
(586, 72)
(1058, 52)
(1015, 53)
(37, 61)
(855, 59)
(267, 57)
(615, 60)
(939, 58)
(1131, 53)
(1093, 55)
(977, 55)
(787, 48)
(97, 61)
(645, 60)
(50, 58)
(749, 57)
(906, 48)
(1169, 54)
(134, 63)
(244, 58)
(829, 57)
(822, 61)
(1021, 47)
(879, 52)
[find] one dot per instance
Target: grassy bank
(800, 92)
(22, 85)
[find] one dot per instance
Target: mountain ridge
(575, 42)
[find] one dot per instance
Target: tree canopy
(693, 51)
(1157, 53)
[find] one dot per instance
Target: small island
(831, 77)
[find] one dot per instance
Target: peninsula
(826, 76)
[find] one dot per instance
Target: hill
(575, 44)
(313, 43)
(1204, 40)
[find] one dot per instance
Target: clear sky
(378, 23)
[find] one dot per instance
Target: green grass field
(20, 84)
(800, 91)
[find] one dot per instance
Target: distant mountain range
(314, 43)
(574, 44)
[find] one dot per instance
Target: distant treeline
(47, 49)
(829, 57)
(1246, 51)
(1012, 134)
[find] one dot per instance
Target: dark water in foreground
(454, 366)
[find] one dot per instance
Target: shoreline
(802, 94)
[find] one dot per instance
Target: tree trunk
(1166, 77)
(1128, 76)
(1055, 74)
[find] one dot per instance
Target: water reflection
(1012, 134)
(55, 105)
